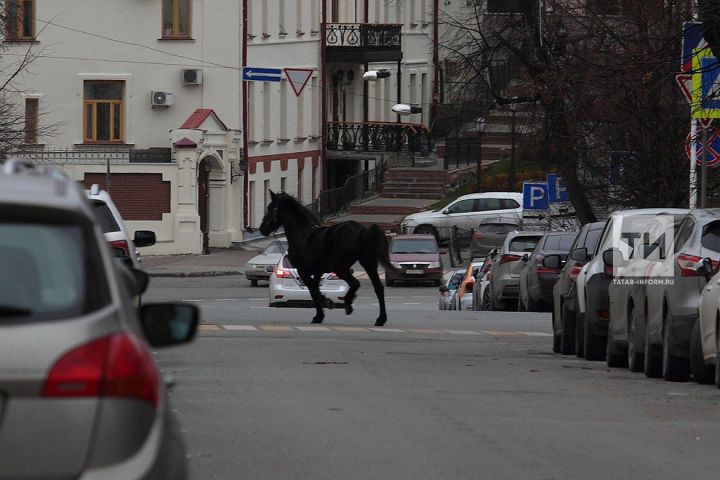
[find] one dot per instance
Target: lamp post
(480, 125)
(511, 170)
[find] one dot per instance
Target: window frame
(114, 103)
(32, 121)
(176, 35)
(20, 34)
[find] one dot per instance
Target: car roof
(513, 195)
(706, 212)
(649, 211)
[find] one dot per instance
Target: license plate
(414, 272)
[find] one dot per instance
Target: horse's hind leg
(380, 292)
(344, 274)
(313, 285)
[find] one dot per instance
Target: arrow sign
(255, 74)
(298, 78)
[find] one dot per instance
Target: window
(508, 204)
(503, 6)
(103, 111)
(487, 204)
(31, 120)
(20, 23)
(251, 201)
(463, 206)
(176, 19)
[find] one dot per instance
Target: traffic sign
(255, 74)
(298, 78)
(535, 196)
(684, 81)
(713, 141)
(692, 38)
(706, 82)
(556, 189)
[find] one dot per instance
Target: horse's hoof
(348, 309)
(380, 322)
(317, 320)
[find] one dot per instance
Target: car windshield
(420, 245)
(525, 243)
(711, 236)
(275, 247)
(105, 217)
(559, 243)
(44, 272)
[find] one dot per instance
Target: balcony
(363, 42)
(378, 137)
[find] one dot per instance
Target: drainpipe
(243, 62)
(436, 60)
(323, 123)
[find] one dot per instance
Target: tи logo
(640, 246)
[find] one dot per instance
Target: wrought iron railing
(362, 185)
(95, 155)
(363, 35)
(378, 137)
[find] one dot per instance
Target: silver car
(288, 290)
(80, 394)
(447, 291)
(260, 267)
(504, 284)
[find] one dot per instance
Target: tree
(613, 119)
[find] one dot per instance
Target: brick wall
(138, 196)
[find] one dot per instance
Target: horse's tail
(377, 242)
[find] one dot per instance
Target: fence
(96, 156)
(333, 201)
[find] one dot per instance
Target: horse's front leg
(313, 285)
(344, 274)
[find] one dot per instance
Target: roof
(185, 143)
(199, 116)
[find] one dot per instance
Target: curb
(212, 273)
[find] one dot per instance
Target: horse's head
(271, 220)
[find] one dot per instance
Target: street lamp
(406, 109)
(511, 170)
(373, 75)
(480, 125)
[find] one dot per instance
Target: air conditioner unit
(162, 98)
(192, 76)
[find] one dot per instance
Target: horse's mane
(291, 204)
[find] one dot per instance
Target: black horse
(314, 249)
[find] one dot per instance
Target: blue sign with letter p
(535, 196)
(556, 189)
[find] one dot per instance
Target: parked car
(448, 289)
(286, 289)
(481, 299)
(504, 284)
(537, 280)
(628, 298)
(704, 358)
(673, 307)
(595, 277)
(490, 234)
(82, 396)
(567, 331)
(417, 257)
(113, 226)
(464, 295)
(260, 267)
(465, 212)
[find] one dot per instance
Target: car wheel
(567, 336)
(613, 358)
(437, 283)
(652, 358)
(674, 368)
(579, 335)
(485, 303)
(704, 374)
(595, 345)
(253, 283)
(635, 357)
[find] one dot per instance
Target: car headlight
(434, 265)
(395, 264)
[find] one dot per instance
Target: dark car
(566, 337)
(417, 257)
(537, 280)
(491, 234)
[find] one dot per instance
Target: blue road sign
(535, 196)
(255, 74)
(556, 189)
(710, 85)
(692, 37)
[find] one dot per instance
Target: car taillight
(478, 236)
(574, 272)
(283, 273)
(122, 245)
(332, 276)
(603, 314)
(688, 265)
(509, 258)
(114, 366)
(547, 270)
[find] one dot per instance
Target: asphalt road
(262, 394)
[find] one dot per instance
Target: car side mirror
(169, 323)
(612, 257)
(525, 257)
(552, 261)
(580, 254)
(144, 238)
(707, 269)
(443, 289)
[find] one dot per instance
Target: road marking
(412, 303)
(425, 330)
(462, 332)
(260, 307)
(383, 329)
(276, 328)
(500, 334)
(209, 328)
(351, 329)
(245, 328)
(536, 334)
(313, 329)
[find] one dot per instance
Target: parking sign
(556, 189)
(535, 196)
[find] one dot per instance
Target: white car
(465, 212)
(113, 226)
(288, 290)
(704, 339)
(260, 267)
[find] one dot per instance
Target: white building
(153, 92)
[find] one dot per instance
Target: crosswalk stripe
(276, 328)
(500, 334)
(247, 328)
(425, 330)
(350, 329)
(313, 329)
(462, 332)
(209, 328)
(536, 334)
(388, 330)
